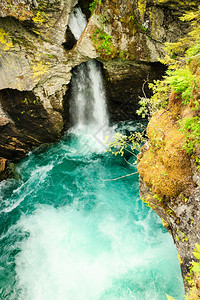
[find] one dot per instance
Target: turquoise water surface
(68, 235)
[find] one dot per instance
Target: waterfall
(67, 234)
(77, 22)
(88, 103)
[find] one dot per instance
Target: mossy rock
(165, 166)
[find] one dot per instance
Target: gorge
(38, 58)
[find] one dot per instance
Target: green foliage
(122, 143)
(182, 59)
(106, 43)
(103, 43)
(191, 128)
(193, 277)
(183, 78)
(93, 5)
(183, 82)
(159, 100)
(194, 50)
(181, 75)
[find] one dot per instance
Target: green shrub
(183, 82)
(103, 43)
(194, 276)
(93, 5)
(191, 127)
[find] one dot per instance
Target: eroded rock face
(137, 31)
(34, 62)
(28, 121)
(125, 83)
(169, 181)
(139, 27)
(127, 37)
(34, 73)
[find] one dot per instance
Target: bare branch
(128, 162)
(119, 177)
(145, 81)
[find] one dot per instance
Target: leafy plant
(130, 143)
(148, 106)
(103, 43)
(183, 82)
(193, 277)
(182, 59)
(191, 128)
(93, 5)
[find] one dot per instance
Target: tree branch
(119, 177)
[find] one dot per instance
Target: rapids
(67, 234)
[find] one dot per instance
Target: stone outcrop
(132, 78)
(34, 73)
(36, 62)
(129, 38)
(37, 55)
(35, 70)
(170, 182)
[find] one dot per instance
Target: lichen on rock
(127, 37)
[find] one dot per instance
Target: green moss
(165, 166)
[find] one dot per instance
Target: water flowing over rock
(34, 74)
(34, 60)
(88, 101)
(37, 56)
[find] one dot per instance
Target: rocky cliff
(169, 163)
(37, 57)
(170, 183)
(34, 74)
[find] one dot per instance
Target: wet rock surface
(37, 55)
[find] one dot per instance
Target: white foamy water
(77, 237)
(68, 235)
(88, 103)
(76, 255)
(77, 22)
(99, 112)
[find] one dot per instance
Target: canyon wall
(37, 56)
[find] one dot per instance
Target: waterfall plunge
(65, 234)
(88, 103)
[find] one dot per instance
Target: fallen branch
(132, 165)
(118, 177)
